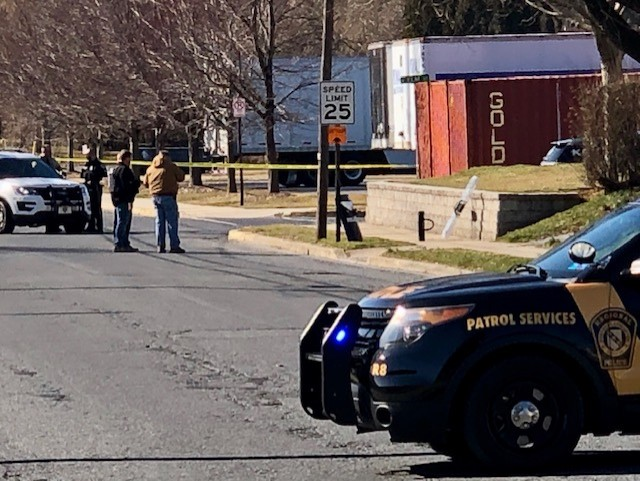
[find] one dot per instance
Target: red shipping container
(494, 121)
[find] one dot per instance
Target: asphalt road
(164, 367)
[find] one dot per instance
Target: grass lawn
(308, 235)
(518, 178)
(462, 258)
(572, 220)
(256, 198)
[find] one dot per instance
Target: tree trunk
(134, 141)
(272, 152)
(610, 58)
(70, 165)
(100, 146)
(270, 108)
(269, 122)
(195, 173)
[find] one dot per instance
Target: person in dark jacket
(124, 188)
(93, 173)
(47, 157)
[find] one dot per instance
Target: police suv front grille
(60, 194)
(374, 322)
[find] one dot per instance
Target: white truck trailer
(442, 58)
(296, 131)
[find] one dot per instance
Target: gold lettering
(497, 100)
(479, 324)
(383, 370)
(495, 321)
(572, 318)
(497, 120)
(375, 369)
(537, 319)
(471, 323)
(523, 318)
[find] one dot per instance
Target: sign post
(337, 109)
(239, 106)
(337, 136)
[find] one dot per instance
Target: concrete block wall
(487, 216)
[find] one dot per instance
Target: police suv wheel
(523, 413)
(6, 219)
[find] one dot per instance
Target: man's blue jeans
(166, 214)
(122, 225)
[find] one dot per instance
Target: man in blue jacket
(124, 187)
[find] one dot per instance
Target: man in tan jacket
(162, 178)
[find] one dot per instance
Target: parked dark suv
(565, 151)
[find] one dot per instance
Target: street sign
(239, 106)
(337, 134)
(337, 103)
(414, 79)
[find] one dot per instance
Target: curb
(300, 248)
(333, 253)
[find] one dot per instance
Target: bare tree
(615, 25)
(232, 45)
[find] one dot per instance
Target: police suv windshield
(20, 168)
(607, 235)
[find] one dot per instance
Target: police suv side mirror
(582, 253)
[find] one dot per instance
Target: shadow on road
(584, 463)
(209, 459)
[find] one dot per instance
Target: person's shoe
(125, 249)
(177, 250)
(161, 250)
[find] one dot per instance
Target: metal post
(421, 236)
(240, 160)
(323, 141)
(337, 183)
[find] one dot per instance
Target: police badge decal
(614, 331)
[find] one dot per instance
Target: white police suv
(33, 194)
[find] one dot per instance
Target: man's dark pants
(95, 197)
(122, 225)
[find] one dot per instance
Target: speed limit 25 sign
(337, 103)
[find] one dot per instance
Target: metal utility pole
(323, 140)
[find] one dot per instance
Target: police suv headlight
(26, 191)
(409, 324)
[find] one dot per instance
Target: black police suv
(508, 370)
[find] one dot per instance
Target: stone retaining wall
(487, 216)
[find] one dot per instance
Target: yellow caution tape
(244, 166)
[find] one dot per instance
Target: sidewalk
(370, 257)
(143, 207)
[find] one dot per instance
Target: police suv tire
(74, 227)
(497, 397)
(6, 218)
